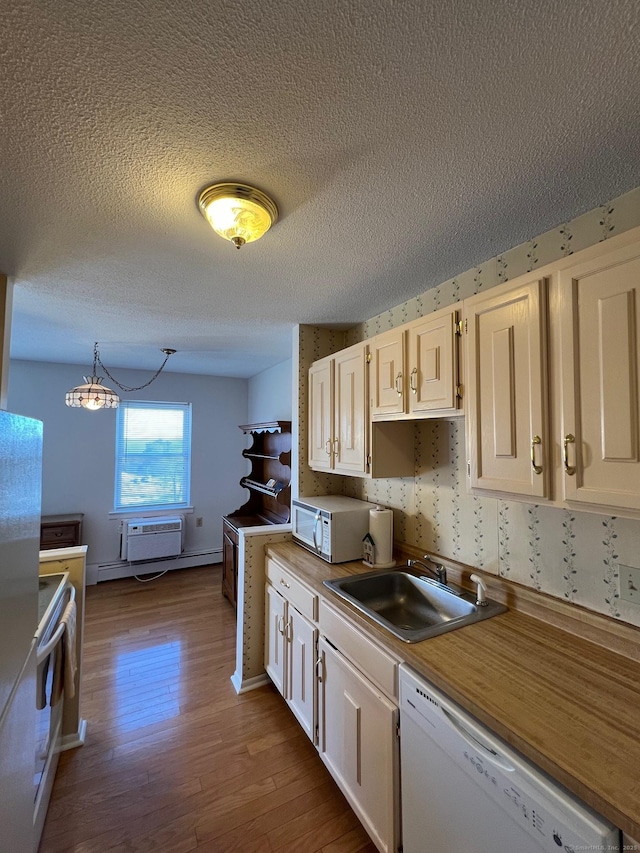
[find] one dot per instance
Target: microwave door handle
(316, 524)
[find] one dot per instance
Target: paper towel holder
(370, 550)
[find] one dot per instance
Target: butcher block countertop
(568, 704)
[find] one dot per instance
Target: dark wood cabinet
(61, 531)
(229, 561)
(269, 500)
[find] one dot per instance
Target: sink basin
(411, 606)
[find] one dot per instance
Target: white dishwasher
(465, 791)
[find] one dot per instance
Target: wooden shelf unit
(270, 457)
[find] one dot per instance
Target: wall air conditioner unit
(151, 538)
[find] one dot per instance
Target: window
(153, 455)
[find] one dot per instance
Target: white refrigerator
(20, 497)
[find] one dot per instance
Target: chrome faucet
(439, 572)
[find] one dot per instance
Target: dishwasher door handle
(488, 752)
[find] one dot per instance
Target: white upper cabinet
(433, 376)
(415, 369)
(341, 439)
(338, 420)
(582, 447)
(506, 383)
(599, 306)
(321, 415)
(388, 374)
(350, 410)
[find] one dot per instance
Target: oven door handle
(44, 652)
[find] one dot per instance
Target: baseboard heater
(151, 538)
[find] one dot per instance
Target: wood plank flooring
(174, 760)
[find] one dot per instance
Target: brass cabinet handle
(284, 583)
(399, 379)
(568, 439)
(336, 444)
(413, 373)
(534, 441)
(327, 447)
(319, 669)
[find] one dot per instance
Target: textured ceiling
(402, 141)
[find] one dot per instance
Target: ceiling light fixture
(237, 212)
(94, 396)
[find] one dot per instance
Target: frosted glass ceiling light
(237, 212)
(94, 396)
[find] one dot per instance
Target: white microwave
(332, 526)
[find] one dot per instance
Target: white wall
(79, 446)
(270, 394)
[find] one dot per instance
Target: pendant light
(93, 395)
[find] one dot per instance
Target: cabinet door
(433, 364)
(350, 410)
(301, 689)
(321, 415)
(275, 646)
(229, 564)
(387, 374)
(507, 384)
(600, 350)
(358, 743)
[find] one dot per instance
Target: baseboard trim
(97, 572)
(71, 741)
(248, 684)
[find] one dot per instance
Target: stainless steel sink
(411, 606)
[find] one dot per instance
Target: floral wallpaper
(568, 554)
(249, 671)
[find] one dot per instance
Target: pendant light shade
(237, 212)
(92, 395)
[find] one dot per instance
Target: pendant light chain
(96, 360)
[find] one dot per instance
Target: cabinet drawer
(300, 596)
(230, 531)
(379, 666)
(62, 536)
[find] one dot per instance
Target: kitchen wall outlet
(199, 521)
(629, 583)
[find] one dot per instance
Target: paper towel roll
(381, 531)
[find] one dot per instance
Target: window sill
(150, 512)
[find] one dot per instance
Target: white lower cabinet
(358, 742)
(342, 688)
(301, 694)
(274, 641)
(290, 648)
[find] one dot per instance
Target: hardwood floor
(174, 760)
